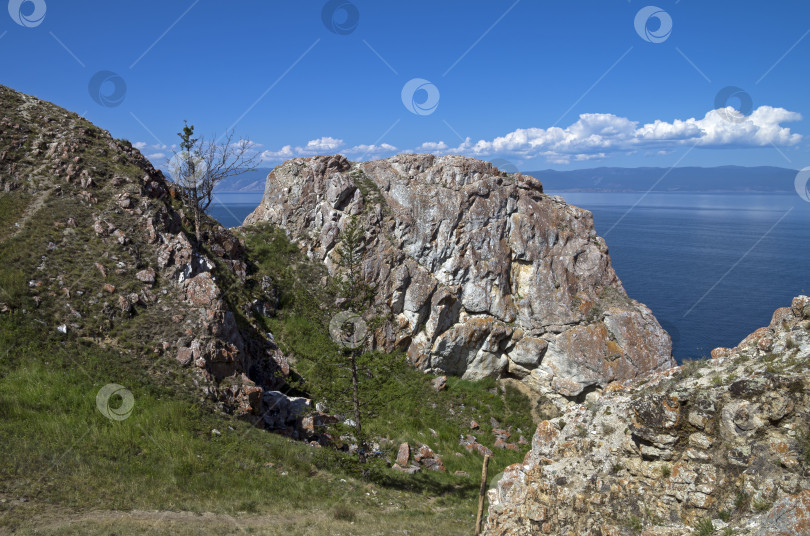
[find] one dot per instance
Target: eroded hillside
(720, 446)
(95, 242)
(103, 283)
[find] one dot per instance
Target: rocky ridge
(720, 446)
(101, 240)
(478, 272)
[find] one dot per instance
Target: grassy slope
(412, 411)
(58, 449)
(66, 459)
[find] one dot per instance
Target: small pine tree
(352, 287)
(353, 370)
(188, 172)
(202, 164)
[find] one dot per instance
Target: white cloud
(327, 145)
(282, 154)
(368, 150)
(141, 145)
(156, 156)
(593, 136)
(431, 146)
(247, 144)
(322, 145)
(597, 135)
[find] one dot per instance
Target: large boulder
(722, 441)
(481, 272)
(790, 517)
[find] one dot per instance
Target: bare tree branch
(204, 162)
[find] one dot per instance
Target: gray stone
(636, 451)
(483, 273)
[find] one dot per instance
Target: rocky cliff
(478, 272)
(95, 244)
(720, 446)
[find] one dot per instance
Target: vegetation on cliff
(104, 283)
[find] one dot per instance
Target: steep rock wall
(724, 442)
(480, 273)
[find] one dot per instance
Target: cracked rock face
(480, 273)
(120, 217)
(722, 441)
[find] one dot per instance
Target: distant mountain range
(250, 181)
(765, 179)
(739, 179)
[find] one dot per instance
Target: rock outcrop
(479, 272)
(103, 236)
(722, 444)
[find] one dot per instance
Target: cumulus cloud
(327, 145)
(247, 144)
(282, 154)
(321, 145)
(595, 136)
(432, 146)
(142, 145)
(369, 150)
(156, 152)
(324, 144)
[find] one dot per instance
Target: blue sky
(543, 84)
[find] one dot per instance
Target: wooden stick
(481, 495)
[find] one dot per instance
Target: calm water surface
(712, 267)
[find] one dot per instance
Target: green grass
(12, 208)
(691, 367)
(66, 458)
(410, 409)
(761, 506)
(344, 513)
(741, 500)
(74, 466)
(58, 449)
(704, 527)
(13, 281)
(634, 524)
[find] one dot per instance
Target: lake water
(712, 267)
(231, 209)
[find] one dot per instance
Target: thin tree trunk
(361, 451)
(197, 224)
